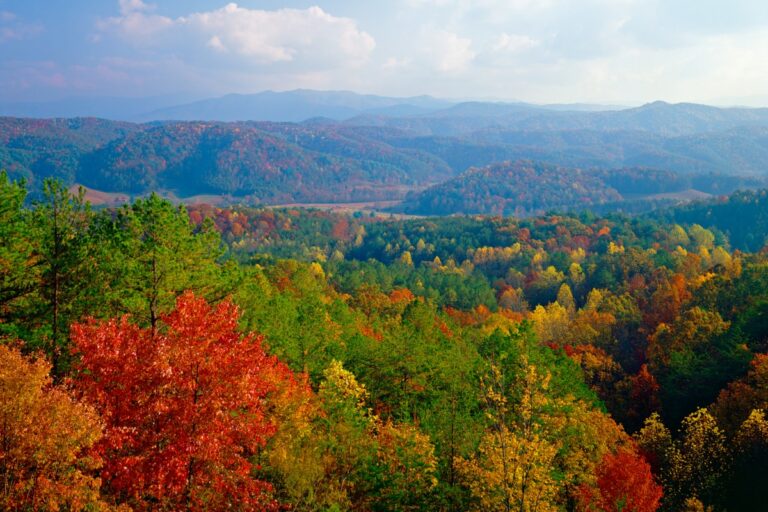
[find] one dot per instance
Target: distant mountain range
(117, 109)
(289, 106)
(267, 162)
(658, 118)
(296, 106)
(350, 147)
(423, 115)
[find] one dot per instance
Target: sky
(621, 52)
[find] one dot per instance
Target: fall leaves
(48, 459)
(194, 415)
(183, 406)
(187, 416)
(544, 447)
(363, 390)
(624, 482)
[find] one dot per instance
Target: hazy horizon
(625, 52)
(164, 101)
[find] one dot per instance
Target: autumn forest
(402, 256)
(157, 357)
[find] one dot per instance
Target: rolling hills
(512, 188)
(526, 188)
(269, 163)
(395, 148)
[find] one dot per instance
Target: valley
(638, 157)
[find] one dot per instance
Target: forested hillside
(323, 161)
(39, 148)
(513, 188)
(270, 163)
(526, 188)
(743, 216)
(259, 161)
(735, 151)
(159, 358)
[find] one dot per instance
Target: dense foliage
(526, 188)
(519, 188)
(156, 358)
(742, 216)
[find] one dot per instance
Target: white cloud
(129, 6)
(484, 5)
(618, 51)
(257, 36)
(395, 63)
(135, 24)
(216, 44)
(512, 43)
(448, 52)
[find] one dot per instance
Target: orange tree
(185, 407)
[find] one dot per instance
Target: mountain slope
(525, 188)
(327, 161)
(520, 188)
(269, 162)
(743, 217)
(246, 159)
(36, 148)
(735, 151)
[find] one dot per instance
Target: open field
(99, 198)
(683, 195)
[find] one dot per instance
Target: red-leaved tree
(185, 407)
(624, 484)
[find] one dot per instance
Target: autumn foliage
(624, 483)
(469, 363)
(184, 407)
(46, 441)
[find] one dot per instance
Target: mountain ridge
(324, 160)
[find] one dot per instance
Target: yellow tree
(407, 464)
(655, 442)
(552, 324)
(46, 439)
(333, 453)
(515, 463)
(565, 299)
(318, 452)
(691, 329)
(693, 466)
(588, 435)
(698, 461)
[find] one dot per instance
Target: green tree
(17, 264)
(153, 253)
(66, 286)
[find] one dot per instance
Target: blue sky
(545, 51)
